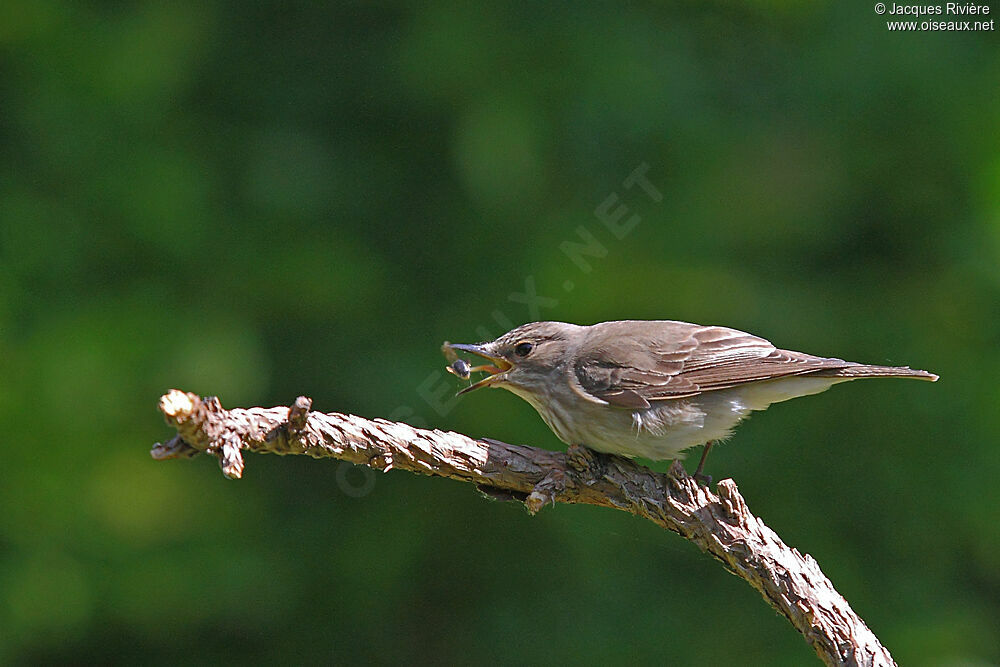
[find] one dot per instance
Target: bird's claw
(584, 461)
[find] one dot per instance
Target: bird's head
(523, 359)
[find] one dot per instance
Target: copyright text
(949, 12)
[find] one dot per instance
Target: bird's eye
(524, 348)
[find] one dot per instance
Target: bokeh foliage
(260, 200)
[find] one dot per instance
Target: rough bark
(720, 525)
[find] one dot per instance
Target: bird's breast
(662, 431)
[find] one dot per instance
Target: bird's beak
(496, 369)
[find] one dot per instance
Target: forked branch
(721, 525)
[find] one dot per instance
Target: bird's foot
(703, 479)
(546, 491)
(583, 465)
(584, 461)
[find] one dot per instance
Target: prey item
(652, 388)
(460, 367)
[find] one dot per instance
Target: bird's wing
(630, 364)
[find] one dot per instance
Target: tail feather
(865, 371)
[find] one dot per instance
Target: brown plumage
(630, 363)
(654, 388)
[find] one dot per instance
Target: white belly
(666, 429)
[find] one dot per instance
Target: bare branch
(721, 525)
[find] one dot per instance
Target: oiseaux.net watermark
(947, 17)
(615, 217)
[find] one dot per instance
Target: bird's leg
(698, 476)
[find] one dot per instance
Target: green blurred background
(261, 200)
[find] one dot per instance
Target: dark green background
(261, 200)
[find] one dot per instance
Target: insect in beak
(462, 369)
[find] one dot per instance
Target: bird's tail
(865, 371)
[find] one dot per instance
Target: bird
(651, 388)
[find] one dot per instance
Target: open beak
(497, 367)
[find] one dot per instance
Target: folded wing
(631, 364)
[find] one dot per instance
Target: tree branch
(721, 525)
